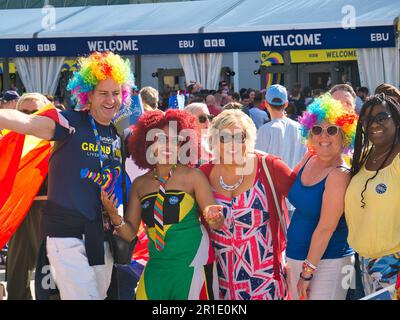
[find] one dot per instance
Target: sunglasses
(331, 130)
(237, 138)
(380, 119)
(28, 111)
(203, 118)
(163, 138)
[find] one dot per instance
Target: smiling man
(73, 236)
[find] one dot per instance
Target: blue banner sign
(338, 38)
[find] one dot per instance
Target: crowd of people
(256, 195)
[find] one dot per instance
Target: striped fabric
(158, 213)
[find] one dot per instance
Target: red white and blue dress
(244, 251)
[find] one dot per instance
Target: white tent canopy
(206, 16)
(208, 26)
(263, 15)
(135, 19)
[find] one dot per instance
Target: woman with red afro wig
(168, 198)
(145, 132)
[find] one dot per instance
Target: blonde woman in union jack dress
(250, 244)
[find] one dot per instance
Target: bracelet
(308, 269)
(304, 278)
(117, 226)
(310, 265)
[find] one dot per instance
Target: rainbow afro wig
(326, 109)
(97, 67)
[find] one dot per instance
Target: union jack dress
(243, 248)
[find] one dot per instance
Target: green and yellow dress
(184, 269)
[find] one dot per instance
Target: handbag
(122, 250)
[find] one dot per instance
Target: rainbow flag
(23, 168)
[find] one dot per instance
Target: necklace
(232, 187)
(228, 187)
(374, 160)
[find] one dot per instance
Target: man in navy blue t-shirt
(86, 159)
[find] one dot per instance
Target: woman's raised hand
(213, 216)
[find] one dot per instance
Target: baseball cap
(276, 95)
(10, 95)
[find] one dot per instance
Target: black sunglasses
(28, 111)
(237, 138)
(331, 130)
(380, 119)
(203, 118)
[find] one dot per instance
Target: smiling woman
(372, 198)
(173, 200)
(317, 248)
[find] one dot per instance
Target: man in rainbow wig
(75, 259)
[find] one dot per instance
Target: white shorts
(330, 282)
(74, 277)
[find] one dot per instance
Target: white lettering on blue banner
(22, 48)
(215, 43)
(292, 40)
(113, 45)
(379, 37)
(186, 44)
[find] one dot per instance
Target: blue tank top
(308, 202)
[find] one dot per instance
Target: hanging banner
(316, 39)
(300, 56)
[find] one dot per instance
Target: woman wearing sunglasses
(168, 198)
(372, 198)
(317, 249)
(250, 244)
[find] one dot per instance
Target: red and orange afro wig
(138, 144)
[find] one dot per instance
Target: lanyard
(97, 137)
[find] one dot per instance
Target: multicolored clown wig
(97, 67)
(326, 109)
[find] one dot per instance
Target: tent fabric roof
(135, 19)
(206, 16)
(263, 15)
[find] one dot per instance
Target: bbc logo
(46, 47)
(219, 43)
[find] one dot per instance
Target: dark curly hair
(138, 145)
(362, 148)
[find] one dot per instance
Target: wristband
(308, 264)
(304, 278)
(121, 224)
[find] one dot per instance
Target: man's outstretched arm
(38, 126)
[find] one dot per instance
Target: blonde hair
(197, 106)
(232, 105)
(230, 118)
(149, 97)
(40, 99)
